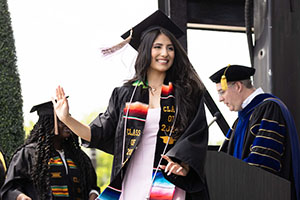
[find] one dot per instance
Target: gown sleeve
(267, 126)
(191, 149)
(18, 179)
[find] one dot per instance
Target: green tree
(103, 170)
(11, 114)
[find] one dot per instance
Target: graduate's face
(231, 97)
(162, 54)
(63, 130)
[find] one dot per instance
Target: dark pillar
(276, 51)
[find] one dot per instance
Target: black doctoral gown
(264, 137)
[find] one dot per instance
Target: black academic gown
(108, 130)
(19, 180)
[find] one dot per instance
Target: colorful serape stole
(161, 189)
(109, 193)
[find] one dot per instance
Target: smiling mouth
(162, 61)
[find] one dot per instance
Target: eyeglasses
(222, 92)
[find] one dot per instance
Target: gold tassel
(111, 50)
(224, 80)
(224, 83)
(55, 124)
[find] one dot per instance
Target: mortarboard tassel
(224, 80)
(111, 50)
(224, 83)
(55, 123)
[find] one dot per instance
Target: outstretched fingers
(60, 104)
(174, 167)
(60, 93)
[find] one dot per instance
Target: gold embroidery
(268, 120)
(171, 118)
(55, 174)
(129, 152)
(165, 139)
(168, 109)
(270, 131)
(265, 148)
(263, 166)
(265, 155)
(259, 136)
(133, 132)
(253, 128)
(75, 180)
(132, 142)
(166, 128)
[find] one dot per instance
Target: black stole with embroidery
(137, 113)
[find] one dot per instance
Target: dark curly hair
(42, 134)
(189, 89)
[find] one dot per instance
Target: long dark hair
(42, 134)
(187, 84)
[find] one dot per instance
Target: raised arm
(61, 107)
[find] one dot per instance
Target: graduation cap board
(43, 108)
(46, 109)
(232, 73)
(133, 36)
(156, 20)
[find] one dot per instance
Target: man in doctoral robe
(264, 134)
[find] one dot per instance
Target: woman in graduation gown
(155, 124)
(50, 166)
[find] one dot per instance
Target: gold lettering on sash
(163, 127)
(166, 128)
(132, 142)
(129, 152)
(168, 109)
(165, 139)
(170, 118)
(133, 132)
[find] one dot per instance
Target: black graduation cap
(46, 109)
(43, 108)
(233, 73)
(156, 20)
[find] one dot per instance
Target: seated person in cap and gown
(264, 134)
(50, 165)
(155, 124)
